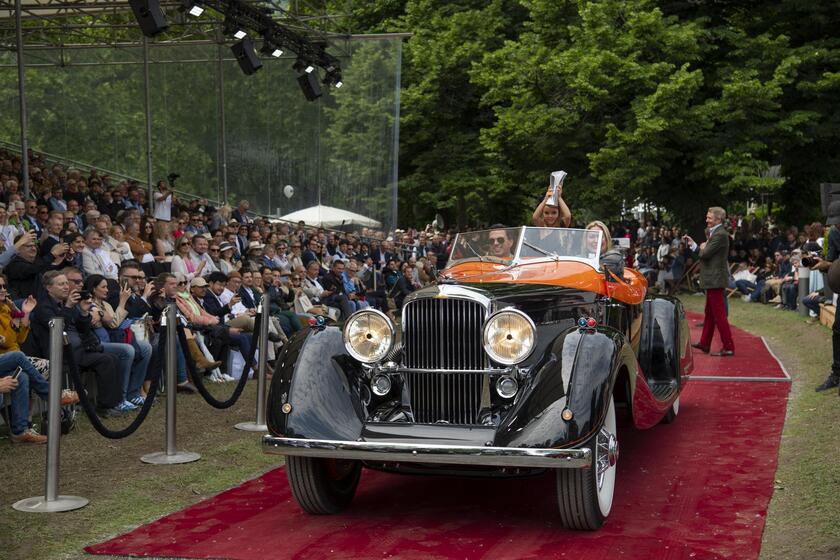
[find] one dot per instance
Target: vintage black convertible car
(513, 364)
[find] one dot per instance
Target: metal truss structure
(69, 24)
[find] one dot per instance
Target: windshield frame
(518, 259)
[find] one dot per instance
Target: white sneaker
(227, 378)
(745, 299)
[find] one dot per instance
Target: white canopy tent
(329, 217)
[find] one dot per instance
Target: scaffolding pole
(24, 143)
(220, 83)
(148, 98)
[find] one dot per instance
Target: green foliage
(679, 104)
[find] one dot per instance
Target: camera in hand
(84, 294)
(810, 259)
(172, 177)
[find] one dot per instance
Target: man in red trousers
(714, 278)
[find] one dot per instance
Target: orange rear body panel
(565, 274)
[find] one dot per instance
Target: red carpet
(696, 489)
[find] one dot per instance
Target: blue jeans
(812, 303)
(28, 379)
(142, 357)
(744, 286)
(125, 359)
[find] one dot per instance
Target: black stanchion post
(51, 501)
(262, 344)
(171, 456)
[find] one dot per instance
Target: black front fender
(317, 378)
(578, 372)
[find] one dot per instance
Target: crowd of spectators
(765, 260)
(94, 251)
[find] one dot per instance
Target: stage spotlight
(149, 16)
(192, 7)
(269, 50)
(333, 77)
(231, 27)
(246, 56)
(310, 86)
(301, 65)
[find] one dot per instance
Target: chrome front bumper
(443, 454)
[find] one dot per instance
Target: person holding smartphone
(18, 375)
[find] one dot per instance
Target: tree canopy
(680, 104)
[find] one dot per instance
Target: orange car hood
(566, 274)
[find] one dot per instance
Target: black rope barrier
(198, 379)
(90, 409)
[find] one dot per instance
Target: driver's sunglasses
(497, 240)
(2, 286)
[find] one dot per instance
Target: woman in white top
(164, 242)
(119, 249)
(7, 231)
(226, 264)
(182, 263)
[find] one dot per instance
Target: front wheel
(585, 496)
(323, 486)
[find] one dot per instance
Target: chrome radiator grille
(444, 333)
(454, 398)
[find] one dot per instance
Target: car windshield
(497, 245)
(525, 244)
(562, 242)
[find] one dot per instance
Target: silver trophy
(557, 178)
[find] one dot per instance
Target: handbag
(140, 328)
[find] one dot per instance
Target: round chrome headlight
(509, 336)
(368, 335)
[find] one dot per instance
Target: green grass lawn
(124, 492)
(803, 521)
(804, 516)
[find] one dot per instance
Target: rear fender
(316, 376)
(578, 372)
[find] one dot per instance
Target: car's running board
(579, 458)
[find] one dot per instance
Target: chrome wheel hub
(606, 457)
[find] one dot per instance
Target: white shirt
(163, 207)
(208, 266)
(711, 231)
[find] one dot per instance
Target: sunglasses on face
(2, 286)
(497, 240)
(182, 283)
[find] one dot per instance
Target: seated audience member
(164, 294)
(334, 293)
(246, 293)
(95, 259)
(182, 262)
(198, 254)
(281, 301)
(404, 286)
(110, 325)
(19, 387)
(76, 244)
(88, 353)
(25, 268)
(54, 227)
